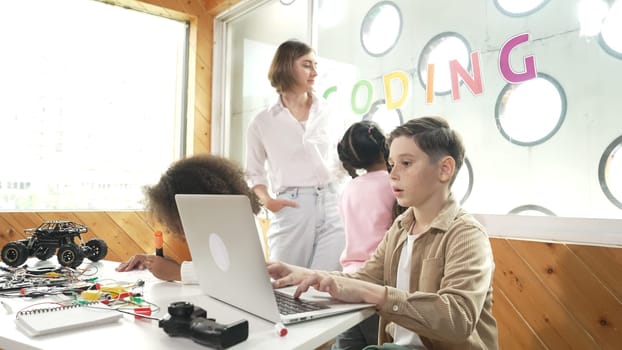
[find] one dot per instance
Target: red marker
(280, 329)
(159, 243)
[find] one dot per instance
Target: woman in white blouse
(296, 138)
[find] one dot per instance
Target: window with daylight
(91, 112)
(381, 28)
(530, 113)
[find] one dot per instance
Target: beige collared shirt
(449, 302)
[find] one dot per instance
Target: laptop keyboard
(288, 305)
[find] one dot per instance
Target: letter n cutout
(474, 83)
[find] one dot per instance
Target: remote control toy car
(62, 238)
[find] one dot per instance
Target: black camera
(189, 321)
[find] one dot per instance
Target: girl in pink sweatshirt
(366, 209)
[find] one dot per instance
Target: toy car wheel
(43, 253)
(69, 255)
(98, 249)
(14, 254)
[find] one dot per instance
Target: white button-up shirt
(297, 154)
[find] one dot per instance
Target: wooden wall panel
(10, 221)
(589, 303)
(604, 263)
(512, 326)
(553, 323)
(214, 7)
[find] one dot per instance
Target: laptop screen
(226, 251)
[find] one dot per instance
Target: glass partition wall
(249, 40)
(532, 93)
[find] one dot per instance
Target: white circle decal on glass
(531, 112)
(381, 28)
(219, 252)
(611, 30)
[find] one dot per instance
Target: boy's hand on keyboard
(346, 289)
(286, 275)
(342, 288)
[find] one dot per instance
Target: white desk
(129, 333)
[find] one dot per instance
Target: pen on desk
(280, 329)
(159, 243)
(7, 307)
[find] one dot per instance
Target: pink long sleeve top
(365, 207)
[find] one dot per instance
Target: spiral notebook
(45, 321)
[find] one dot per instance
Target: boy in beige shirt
(431, 276)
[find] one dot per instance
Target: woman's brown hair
(281, 73)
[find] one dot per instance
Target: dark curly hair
(362, 146)
(199, 174)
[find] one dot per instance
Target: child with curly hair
(199, 174)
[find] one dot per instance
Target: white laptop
(229, 261)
